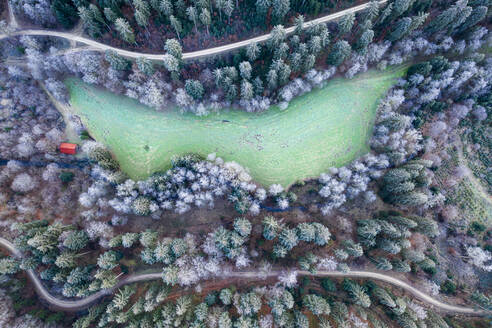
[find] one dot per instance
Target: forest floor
(326, 127)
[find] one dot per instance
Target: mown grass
(327, 127)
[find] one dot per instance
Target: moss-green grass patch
(327, 127)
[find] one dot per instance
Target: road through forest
(97, 46)
(83, 303)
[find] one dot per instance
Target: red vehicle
(68, 148)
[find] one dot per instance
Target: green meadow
(327, 127)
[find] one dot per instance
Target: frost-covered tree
(124, 29)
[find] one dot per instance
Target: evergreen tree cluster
(56, 251)
(407, 185)
(287, 238)
(390, 233)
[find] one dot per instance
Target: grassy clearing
(327, 127)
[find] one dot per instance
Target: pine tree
(110, 15)
(262, 7)
(258, 86)
(65, 12)
(383, 263)
(90, 24)
(166, 8)
(242, 227)
(29, 263)
(206, 19)
(372, 10)
(402, 27)
(339, 52)
(173, 47)
(426, 226)
(411, 199)
(271, 227)
(301, 321)
(306, 232)
(364, 41)
(183, 304)
(253, 51)
(192, 14)
(129, 239)
(277, 36)
(141, 18)
(443, 20)
(225, 321)
(357, 293)
(148, 238)
(66, 260)
(476, 16)
(245, 70)
(405, 321)
(353, 249)
(201, 312)
(108, 260)
(288, 238)
(400, 266)
(400, 6)
(418, 21)
(116, 61)
(308, 63)
(125, 30)
(389, 246)
(176, 25)
(295, 61)
(316, 304)
(247, 91)
(279, 251)
(314, 44)
(281, 51)
(145, 65)
(225, 296)
(280, 8)
(9, 266)
(383, 297)
(122, 297)
(323, 234)
(171, 63)
(115, 241)
(368, 229)
(228, 9)
(170, 275)
(194, 88)
(299, 24)
(76, 240)
(346, 23)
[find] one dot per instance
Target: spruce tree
(125, 30)
(339, 52)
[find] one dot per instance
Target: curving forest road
(80, 304)
(97, 46)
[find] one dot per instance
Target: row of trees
(231, 307)
(181, 16)
(191, 181)
(287, 238)
(390, 234)
(407, 185)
